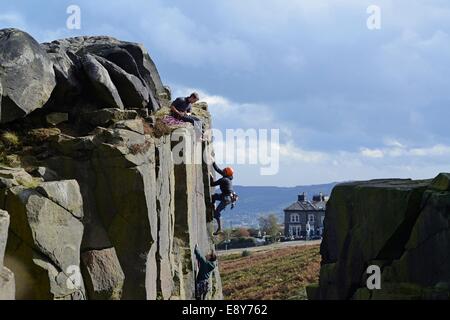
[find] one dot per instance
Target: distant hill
(257, 201)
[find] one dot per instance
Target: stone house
(304, 218)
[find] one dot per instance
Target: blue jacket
(206, 267)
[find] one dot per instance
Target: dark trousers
(224, 202)
(201, 289)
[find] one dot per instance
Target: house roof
(306, 206)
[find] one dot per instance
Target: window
(295, 217)
(311, 218)
(295, 231)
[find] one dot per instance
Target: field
(280, 274)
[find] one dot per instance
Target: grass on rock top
(281, 274)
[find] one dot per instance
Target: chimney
(302, 197)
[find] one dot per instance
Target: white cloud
(395, 149)
(372, 153)
(230, 114)
(437, 150)
(12, 20)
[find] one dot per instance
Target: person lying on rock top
(206, 265)
(227, 197)
(181, 109)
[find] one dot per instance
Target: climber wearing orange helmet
(227, 196)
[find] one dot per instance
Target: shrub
(161, 113)
(246, 253)
(161, 129)
(10, 139)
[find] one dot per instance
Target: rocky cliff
(95, 201)
(401, 226)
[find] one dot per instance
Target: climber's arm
(219, 171)
(175, 110)
(199, 256)
(216, 183)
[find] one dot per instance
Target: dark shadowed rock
(26, 73)
(69, 75)
(56, 118)
(131, 89)
(103, 87)
(132, 58)
(441, 182)
(105, 117)
(45, 173)
(402, 226)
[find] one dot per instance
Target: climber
(206, 266)
(181, 109)
(227, 197)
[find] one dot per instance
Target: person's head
(211, 257)
(229, 171)
(193, 98)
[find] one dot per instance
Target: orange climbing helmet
(229, 171)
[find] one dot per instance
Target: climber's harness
(234, 198)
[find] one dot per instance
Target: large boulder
(44, 241)
(401, 226)
(119, 185)
(102, 86)
(131, 88)
(26, 75)
(104, 277)
(143, 213)
(107, 213)
(131, 69)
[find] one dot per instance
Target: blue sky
(351, 103)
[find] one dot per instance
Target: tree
(269, 225)
(241, 233)
(253, 232)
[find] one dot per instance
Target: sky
(350, 103)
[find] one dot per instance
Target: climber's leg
(217, 216)
(224, 202)
(216, 197)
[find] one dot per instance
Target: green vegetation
(30, 184)
(246, 253)
(269, 225)
(279, 274)
(10, 139)
(161, 113)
